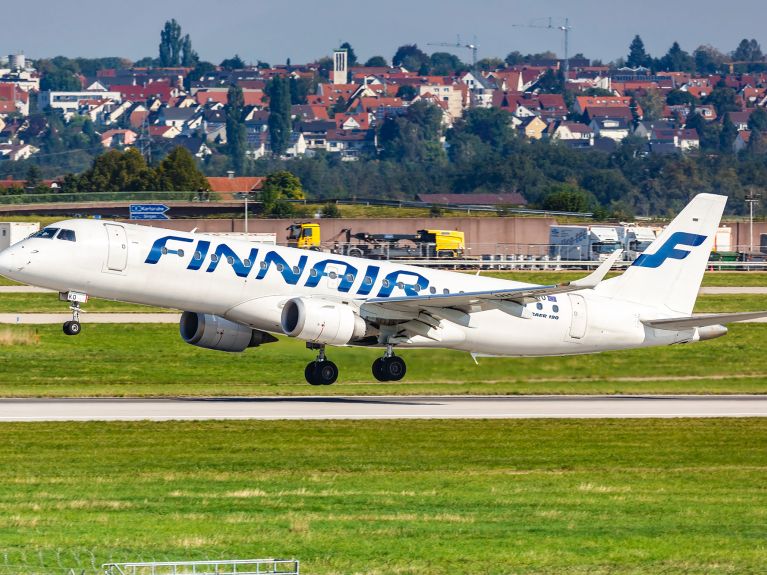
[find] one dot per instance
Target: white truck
(583, 243)
(12, 232)
(634, 240)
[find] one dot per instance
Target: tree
(351, 57)
(339, 106)
(278, 90)
(514, 58)
(651, 103)
(410, 57)
(179, 172)
(680, 98)
(34, 177)
(60, 80)
(201, 69)
(278, 187)
(445, 64)
(708, 60)
(175, 49)
(748, 51)
(406, 92)
(566, 198)
(330, 211)
(489, 64)
(236, 137)
(377, 62)
(724, 99)
(727, 135)
(637, 54)
(414, 136)
(677, 60)
(233, 63)
(757, 122)
(299, 90)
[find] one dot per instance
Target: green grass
(152, 360)
(380, 497)
(50, 303)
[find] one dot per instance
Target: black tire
(355, 253)
(310, 373)
(326, 372)
(394, 368)
(379, 371)
(71, 327)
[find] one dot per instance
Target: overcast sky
(304, 30)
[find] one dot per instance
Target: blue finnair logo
(669, 250)
(341, 272)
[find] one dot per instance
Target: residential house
(138, 115)
(71, 103)
(533, 127)
(741, 141)
(480, 87)
(118, 138)
(617, 128)
(296, 145)
(16, 152)
(233, 188)
(214, 125)
(162, 131)
(740, 119)
(448, 93)
(350, 144)
(571, 132)
(196, 146)
(683, 139)
(316, 132)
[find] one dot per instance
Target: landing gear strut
(389, 367)
(321, 371)
(73, 327)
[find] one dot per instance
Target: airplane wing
(488, 298)
(677, 323)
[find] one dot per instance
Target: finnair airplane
(236, 294)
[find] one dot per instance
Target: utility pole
(751, 199)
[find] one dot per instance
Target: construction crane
(458, 44)
(562, 28)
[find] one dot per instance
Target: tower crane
(458, 44)
(562, 28)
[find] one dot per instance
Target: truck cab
(447, 243)
(304, 235)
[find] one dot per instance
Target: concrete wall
(483, 234)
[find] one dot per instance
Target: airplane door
(117, 257)
(580, 317)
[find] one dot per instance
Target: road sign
(148, 212)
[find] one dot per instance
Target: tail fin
(669, 273)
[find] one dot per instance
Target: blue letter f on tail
(669, 250)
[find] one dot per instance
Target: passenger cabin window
(67, 235)
(46, 233)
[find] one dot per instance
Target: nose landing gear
(389, 367)
(321, 371)
(75, 298)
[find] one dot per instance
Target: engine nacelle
(214, 332)
(321, 321)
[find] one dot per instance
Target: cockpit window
(68, 235)
(46, 233)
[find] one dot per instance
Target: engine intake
(215, 332)
(321, 321)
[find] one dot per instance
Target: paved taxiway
(351, 407)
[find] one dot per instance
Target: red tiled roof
(227, 187)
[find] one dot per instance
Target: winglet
(594, 278)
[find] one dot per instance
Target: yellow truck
(423, 244)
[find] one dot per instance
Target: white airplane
(236, 294)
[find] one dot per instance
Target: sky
(304, 30)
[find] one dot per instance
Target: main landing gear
(389, 367)
(73, 327)
(321, 371)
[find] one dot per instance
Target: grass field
(141, 360)
(411, 497)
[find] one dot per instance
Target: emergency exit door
(579, 317)
(117, 257)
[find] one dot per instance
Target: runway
(380, 407)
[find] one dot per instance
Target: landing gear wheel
(394, 367)
(379, 370)
(321, 373)
(72, 327)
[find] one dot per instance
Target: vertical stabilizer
(668, 274)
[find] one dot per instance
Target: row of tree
(704, 60)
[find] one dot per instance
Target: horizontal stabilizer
(677, 323)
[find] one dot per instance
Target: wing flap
(677, 323)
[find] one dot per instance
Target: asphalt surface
(351, 407)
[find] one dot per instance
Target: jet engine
(321, 321)
(214, 332)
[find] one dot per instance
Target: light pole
(751, 199)
(246, 215)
